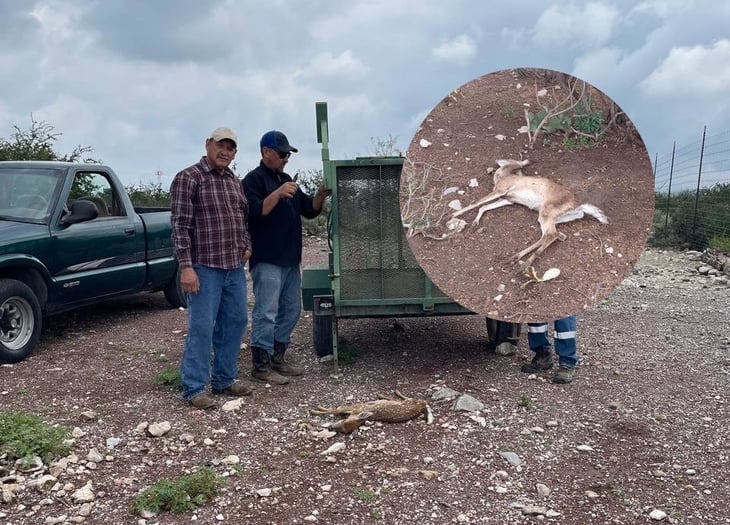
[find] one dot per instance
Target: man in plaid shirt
(212, 244)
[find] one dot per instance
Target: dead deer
(554, 203)
(395, 410)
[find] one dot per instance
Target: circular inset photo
(527, 195)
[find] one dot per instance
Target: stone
(512, 458)
(657, 515)
(468, 403)
(159, 429)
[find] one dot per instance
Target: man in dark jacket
(276, 208)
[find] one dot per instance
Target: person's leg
(202, 306)
(290, 307)
(230, 325)
(266, 289)
(290, 304)
(566, 348)
(537, 341)
(267, 283)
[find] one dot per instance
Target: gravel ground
(640, 436)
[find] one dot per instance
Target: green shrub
(26, 435)
(180, 495)
(170, 377)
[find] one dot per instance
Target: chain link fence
(692, 195)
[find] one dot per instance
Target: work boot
(237, 388)
(541, 361)
(564, 375)
(262, 370)
(280, 364)
(202, 400)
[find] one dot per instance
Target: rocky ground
(641, 436)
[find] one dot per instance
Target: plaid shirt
(209, 217)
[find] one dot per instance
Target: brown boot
(237, 388)
(262, 370)
(280, 364)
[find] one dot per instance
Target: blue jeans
(565, 345)
(277, 290)
(217, 317)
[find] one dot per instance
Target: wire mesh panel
(375, 259)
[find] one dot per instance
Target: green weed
(180, 495)
(26, 435)
(170, 377)
(526, 402)
(364, 494)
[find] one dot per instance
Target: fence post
(699, 178)
(669, 191)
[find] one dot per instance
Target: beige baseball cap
(219, 134)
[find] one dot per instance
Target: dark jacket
(277, 237)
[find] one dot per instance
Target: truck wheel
(322, 334)
(20, 321)
(174, 292)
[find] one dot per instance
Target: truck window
(97, 188)
(28, 194)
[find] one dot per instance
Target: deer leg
(491, 197)
(549, 235)
(491, 206)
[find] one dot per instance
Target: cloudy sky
(144, 82)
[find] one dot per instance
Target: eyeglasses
(283, 154)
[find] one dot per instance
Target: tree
(37, 144)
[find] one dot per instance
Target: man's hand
(287, 190)
(246, 255)
(189, 280)
(318, 199)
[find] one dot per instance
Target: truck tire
(322, 334)
(20, 320)
(174, 292)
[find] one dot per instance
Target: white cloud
(699, 70)
(329, 65)
(574, 26)
(458, 51)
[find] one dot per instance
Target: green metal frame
(372, 271)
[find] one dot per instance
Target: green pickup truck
(69, 237)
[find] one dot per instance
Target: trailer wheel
(174, 292)
(20, 320)
(322, 334)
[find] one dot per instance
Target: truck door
(103, 256)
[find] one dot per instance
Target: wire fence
(692, 194)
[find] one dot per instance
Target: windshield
(27, 194)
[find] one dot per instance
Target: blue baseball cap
(277, 140)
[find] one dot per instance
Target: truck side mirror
(80, 211)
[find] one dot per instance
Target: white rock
(512, 458)
(112, 442)
(95, 456)
(263, 493)
(473, 183)
(584, 448)
(83, 495)
(231, 460)
(233, 404)
(500, 137)
(159, 429)
(657, 515)
(336, 447)
(542, 490)
(424, 143)
(455, 204)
